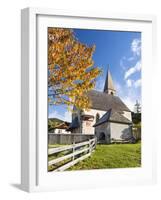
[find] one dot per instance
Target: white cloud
(136, 47)
(122, 60)
(137, 83)
(66, 116)
(129, 82)
(127, 94)
(131, 58)
(132, 70)
(136, 52)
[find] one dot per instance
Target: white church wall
(120, 131)
(127, 115)
(87, 126)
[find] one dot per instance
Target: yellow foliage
(70, 67)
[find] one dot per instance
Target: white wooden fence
(75, 152)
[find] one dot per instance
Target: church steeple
(109, 86)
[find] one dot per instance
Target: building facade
(108, 118)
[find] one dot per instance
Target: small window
(111, 93)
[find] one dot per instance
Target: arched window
(111, 93)
(97, 117)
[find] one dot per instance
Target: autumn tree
(71, 73)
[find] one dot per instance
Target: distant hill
(53, 122)
(56, 120)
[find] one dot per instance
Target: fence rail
(75, 152)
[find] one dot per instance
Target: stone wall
(67, 139)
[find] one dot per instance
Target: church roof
(104, 101)
(109, 82)
(112, 116)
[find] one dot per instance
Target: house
(108, 118)
(61, 128)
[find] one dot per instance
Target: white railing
(75, 152)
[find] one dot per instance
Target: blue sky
(122, 52)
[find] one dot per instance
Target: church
(108, 118)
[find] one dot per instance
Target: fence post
(89, 146)
(73, 149)
(95, 142)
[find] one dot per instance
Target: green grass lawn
(112, 156)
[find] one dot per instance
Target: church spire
(109, 86)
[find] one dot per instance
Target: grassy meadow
(112, 156)
(105, 156)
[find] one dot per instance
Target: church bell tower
(109, 86)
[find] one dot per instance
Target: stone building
(108, 118)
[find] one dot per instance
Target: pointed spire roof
(109, 86)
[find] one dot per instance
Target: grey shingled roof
(117, 117)
(109, 82)
(104, 118)
(112, 116)
(104, 101)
